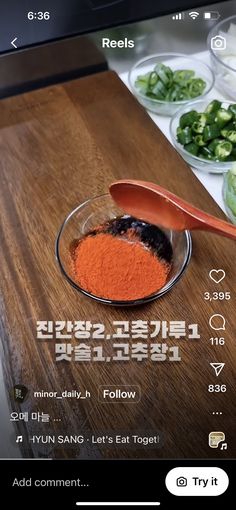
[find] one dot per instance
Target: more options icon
(218, 43)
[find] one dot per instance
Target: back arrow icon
(13, 42)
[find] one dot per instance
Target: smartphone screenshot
(117, 240)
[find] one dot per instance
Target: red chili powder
(114, 268)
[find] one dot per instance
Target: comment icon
(217, 322)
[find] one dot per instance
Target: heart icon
(217, 275)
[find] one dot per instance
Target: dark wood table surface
(59, 146)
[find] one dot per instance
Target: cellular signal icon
(178, 16)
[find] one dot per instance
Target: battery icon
(211, 15)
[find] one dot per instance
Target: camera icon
(218, 42)
(181, 482)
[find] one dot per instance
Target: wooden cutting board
(59, 146)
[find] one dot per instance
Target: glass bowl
(213, 167)
(229, 197)
(177, 61)
(223, 63)
(96, 211)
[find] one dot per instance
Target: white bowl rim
(159, 101)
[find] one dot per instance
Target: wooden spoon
(156, 205)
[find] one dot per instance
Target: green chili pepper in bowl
(206, 153)
(198, 127)
(232, 109)
(210, 117)
(231, 126)
(213, 144)
(210, 134)
(184, 135)
(187, 119)
(223, 149)
(211, 131)
(192, 148)
(229, 135)
(198, 139)
(214, 106)
(223, 117)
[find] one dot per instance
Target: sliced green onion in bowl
(167, 85)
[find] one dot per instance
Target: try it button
(197, 481)
(112, 394)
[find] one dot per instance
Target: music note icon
(224, 446)
(19, 439)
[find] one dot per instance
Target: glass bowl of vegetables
(229, 193)
(164, 82)
(221, 43)
(205, 135)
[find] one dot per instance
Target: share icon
(218, 367)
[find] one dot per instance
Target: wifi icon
(194, 14)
